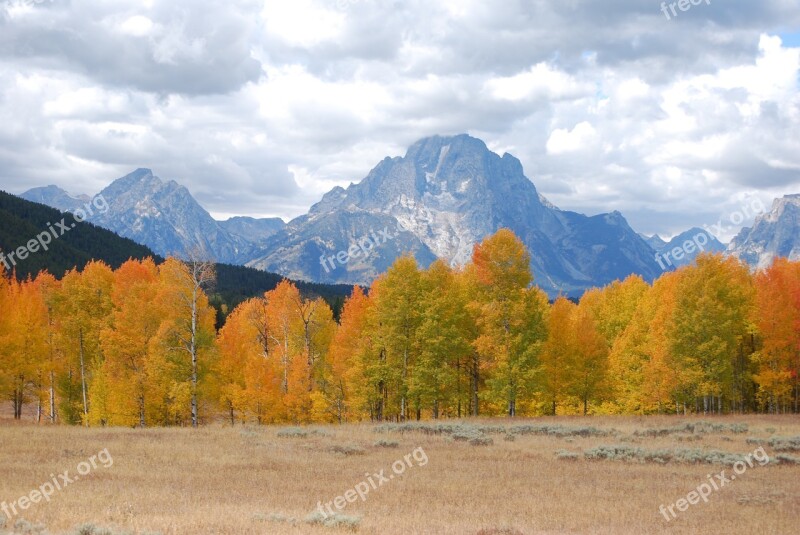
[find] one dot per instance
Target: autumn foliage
(138, 346)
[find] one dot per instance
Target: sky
(260, 107)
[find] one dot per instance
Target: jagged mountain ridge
(166, 217)
(773, 234)
(446, 194)
(437, 201)
(687, 244)
(251, 229)
(57, 198)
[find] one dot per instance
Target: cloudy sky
(260, 107)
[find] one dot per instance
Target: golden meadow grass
(256, 480)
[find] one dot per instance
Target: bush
(277, 518)
(691, 428)
(24, 527)
(567, 455)
(417, 427)
(386, 444)
(481, 441)
(347, 449)
(91, 529)
(293, 432)
(783, 458)
(560, 431)
(335, 520)
(467, 433)
(785, 443)
(301, 432)
(690, 456)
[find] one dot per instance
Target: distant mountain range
(703, 241)
(439, 200)
(165, 217)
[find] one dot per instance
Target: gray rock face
(684, 248)
(443, 197)
(253, 230)
(774, 234)
(655, 241)
(162, 215)
(165, 217)
(55, 197)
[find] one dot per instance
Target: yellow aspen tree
(125, 342)
(557, 359)
(185, 340)
(502, 270)
(711, 316)
(345, 366)
(83, 307)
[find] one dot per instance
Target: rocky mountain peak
(774, 234)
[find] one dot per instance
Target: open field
(533, 477)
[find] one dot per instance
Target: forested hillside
(21, 221)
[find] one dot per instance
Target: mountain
(440, 199)
(684, 248)
(774, 234)
(251, 229)
(165, 216)
(162, 215)
(22, 220)
(56, 197)
(655, 241)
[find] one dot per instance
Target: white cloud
(582, 137)
(302, 23)
(607, 105)
(540, 81)
(138, 26)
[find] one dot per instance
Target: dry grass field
(481, 476)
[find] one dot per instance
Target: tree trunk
(52, 397)
(141, 410)
(194, 359)
(475, 381)
(83, 380)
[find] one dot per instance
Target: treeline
(138, 346)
